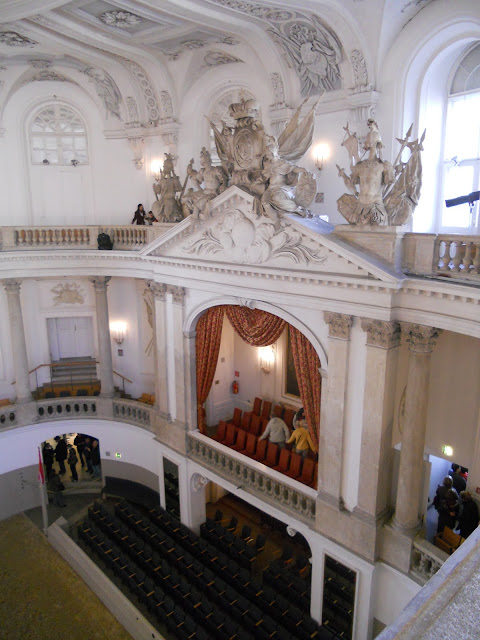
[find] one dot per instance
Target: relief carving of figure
(380, 193)
(215, 181)
(167, 207)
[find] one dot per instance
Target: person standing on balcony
(72, 462)
(61, 453)
(301, 437)
(468, 515)
(139, 215)
(276, 431)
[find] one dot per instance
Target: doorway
(70, 338)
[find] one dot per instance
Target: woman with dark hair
(139, 215)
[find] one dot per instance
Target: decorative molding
(198, 482)
(191, 45)
(246, 302)
(148, 93)
(14, 39)
(291, 531)
(12, 286)
(136, 144)
(166, 101)
(107, 90)
(359, 66)
(133, 115)
(100, 283)
(178, 293)
(339, 325)
(68, 293)
(380, 333)
(420, 338)
(278, 89)
(217, 58)
(158, 289)
(120, 19)
(49, 75)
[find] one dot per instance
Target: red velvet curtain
(258, 328)
(307, 364)
(207, 344)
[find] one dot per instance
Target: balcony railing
(124, 237)
(426, 560)
(447, 255)
(253, 477)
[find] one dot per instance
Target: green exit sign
(118, 455)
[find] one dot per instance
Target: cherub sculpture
(167, 207)
(214, 180)
(380, 193)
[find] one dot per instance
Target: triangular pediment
(237, 232)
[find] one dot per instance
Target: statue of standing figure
(215, 181)
(387, 194)
(167, 207)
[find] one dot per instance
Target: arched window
(58, 136)
(461, 158)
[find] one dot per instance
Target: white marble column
(190, 380)
(17, 336)
(178, 409)
(421, 341)
(333, 400)
(107, 389)
(383, 338)
(158, 291)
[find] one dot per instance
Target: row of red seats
(287, 462)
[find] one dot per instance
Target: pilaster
(17, 335)
(178, 295)
(100, 284)
(159, 291)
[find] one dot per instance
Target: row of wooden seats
(263, 410)
(287, 462)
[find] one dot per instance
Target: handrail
(121, 376)
(51, 365)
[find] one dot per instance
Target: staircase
(74, 371)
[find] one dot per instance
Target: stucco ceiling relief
(120, 19)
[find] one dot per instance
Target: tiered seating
(290, 577)
(242, 434)
(338, 598)
(172, 494)
(197, 591)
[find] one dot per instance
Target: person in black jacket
(468, 516)
(61, 453)
(48, 458)
(95, 453)
(79, 442)
(139, 215)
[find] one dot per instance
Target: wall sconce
(118, 331)
(156, 169)
(320, 154)
(447, 450)
(267, 358)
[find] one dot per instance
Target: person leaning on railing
(139, 215)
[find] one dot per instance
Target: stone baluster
(476, 260)
(17, 337)
(421, 341)
(383, 338)
(107, 389)
(467, 260)
(458, 257)
(333, 408)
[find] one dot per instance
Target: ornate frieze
(420, 338)
(191, 45)
(148, 93)
(278, 89)
(339, 324)
(217, 58)
(68, 293)
(380, 333)
(359, 66)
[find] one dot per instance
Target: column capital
(381, 333)
(12, 285)
(158, 289)
(178, 293)
(420, 338)
(100, 283)
(339, 324)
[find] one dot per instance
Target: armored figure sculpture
(215, 181)
(167, 207)
(386, 194)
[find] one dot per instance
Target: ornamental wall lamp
(118, 331)
(267, 358)
(321, 153)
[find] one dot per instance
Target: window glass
(463, 127)
(458, 182)
(57, 134)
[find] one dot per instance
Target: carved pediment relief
(237, 232)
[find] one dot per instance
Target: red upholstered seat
(241, 440)
(272, 455)
(263, 424)
(278, 411)
(257, 405)
(295, 466)
(237, 417)
(229, 439)
(307, 471)
(314, 482)
(246, 419)
(255, 425)
(261, 451)
(221, 431)
(284, 461)
(288, 417)
(266, 409)
(250, 446)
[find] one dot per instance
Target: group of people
(455, 505)
(142, 218)
(278, 433)
(84, 449)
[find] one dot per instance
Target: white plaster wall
(221, 401)
(392, 591)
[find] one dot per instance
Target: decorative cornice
(339, 325)
(420, 338)
(158, 289)
(100, 283)
(12, 286)
(178, 294)
(385, 335)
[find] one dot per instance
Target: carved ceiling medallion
(120, 19)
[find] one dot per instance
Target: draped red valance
(258, 328)
(207, 344)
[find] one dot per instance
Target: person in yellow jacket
(301, 437)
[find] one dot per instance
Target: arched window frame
(58, 136)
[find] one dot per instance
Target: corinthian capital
(420, 339)
(158, 289)
(100, 283)
(339, 324)
(385, 335)
(12, 286)
(178, 294)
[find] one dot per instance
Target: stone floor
(41, 597)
